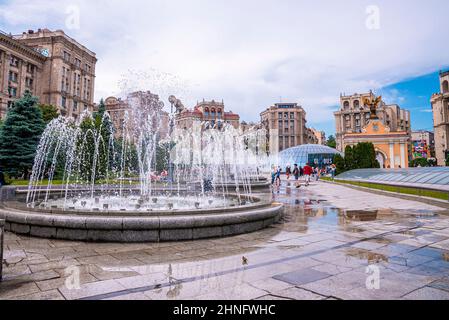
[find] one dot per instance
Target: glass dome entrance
(314, 154)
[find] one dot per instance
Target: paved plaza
(332, 243)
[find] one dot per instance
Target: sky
(254, 53)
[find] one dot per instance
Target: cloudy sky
(255, 53)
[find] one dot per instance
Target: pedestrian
(308, 171)
(288, 172)
(333, 171)
(296, 174)
(273, 175)
(278, 176)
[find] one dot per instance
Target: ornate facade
(55, 67)
(354, 115)
(121, 113)
(211, 112)
(440, 108)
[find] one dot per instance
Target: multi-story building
(320, 136)
(21, 68)
(53, 66)
(123, 115)
(211, 112)
(423, 144)
(286, 124)
(354, 115)
(440, 108)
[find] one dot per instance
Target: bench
(2, 232)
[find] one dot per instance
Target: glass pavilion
(314, 154)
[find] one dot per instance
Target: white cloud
(251, 53)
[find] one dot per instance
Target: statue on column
(373, 103)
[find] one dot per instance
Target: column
(392, 162)
(402, 155)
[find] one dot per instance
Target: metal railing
(2, 232)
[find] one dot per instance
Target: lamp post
(172, 100)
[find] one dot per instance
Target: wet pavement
(332, 243)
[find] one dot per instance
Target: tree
(350, 162)
(331, 142)
(339, 162)
(419, 162)
(20, 135)
(365, 156)
(49, 112)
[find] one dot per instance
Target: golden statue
(373, 102)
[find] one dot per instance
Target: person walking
(278, 176)
(296, 175)
(308, 171)
(273, 175)
(288, 172)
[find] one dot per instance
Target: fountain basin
(105, 225)
(155, 228)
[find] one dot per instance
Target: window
(12, 91)
(445, 86)
(10, 104)
(85, 106)
(75, 106)
(63, 102)
(280, 115)
(346, 105)
(87, 67)
(30, 68)
(29, 82)
(14, 62)
(66, 56)
(206, 112)
(292, 115)
(213, 113)
(77, 62)
(356, 104)
(13, 76)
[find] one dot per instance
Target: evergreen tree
(331, 142)
(20, 135)
(350, 162)
(49, 112)
(365, 156)
(339, 162)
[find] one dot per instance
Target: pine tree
(339, 163)
(20, 135)
(350, 162)
(49, 112)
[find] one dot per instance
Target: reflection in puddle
(371, 257)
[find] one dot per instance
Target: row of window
(65, 84)
(356, 104)
(75, 104)
(14, 62)
(77, 62)
(286, 115)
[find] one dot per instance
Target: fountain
(140, 186)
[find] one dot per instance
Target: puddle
(362, 254)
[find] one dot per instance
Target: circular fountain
(92, 182)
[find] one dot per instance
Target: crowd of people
(305, 174)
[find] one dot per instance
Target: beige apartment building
(123, 117)
(440, 109)
(53, 66)
(211, 112)
(353, 116)
(286, 124)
